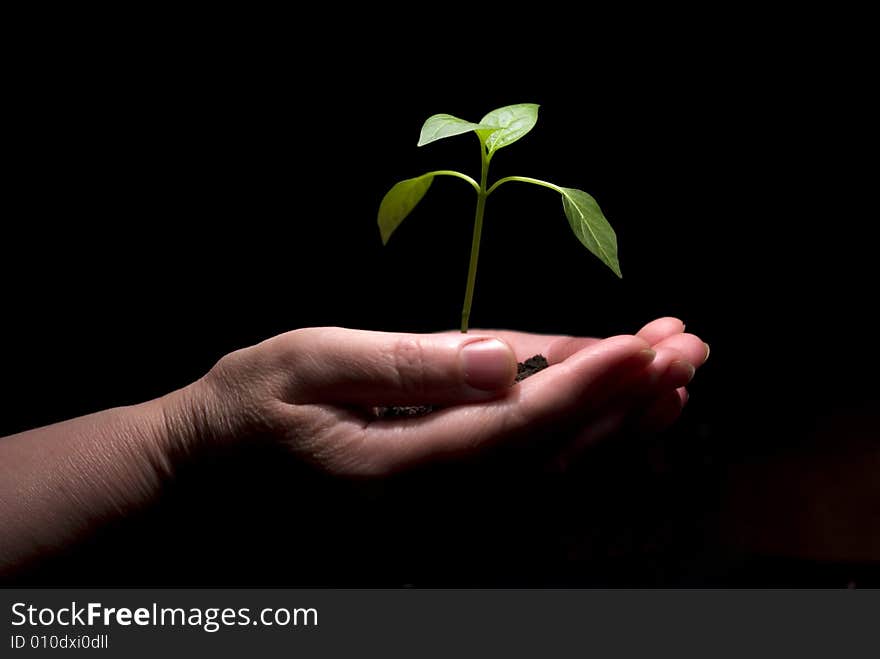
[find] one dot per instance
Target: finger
(657, 406)
(659, 329)
(524, 344)
(691, 347)
(662, 413)
(671, 369)
(667, 373)
(587, 380)
(566, 346)
(608, 424)
(647, 415)
(335, 365)
(557, 395)
(554, 347)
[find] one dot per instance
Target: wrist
(200, 417)
(179, 425)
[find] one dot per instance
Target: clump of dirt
(530, 366)
(523, 370)
(403, 411)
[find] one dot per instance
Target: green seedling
(499, 128)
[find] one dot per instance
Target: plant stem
(482, 193)
(464, 177)
(524, 179)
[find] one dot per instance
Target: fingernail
(488, 364)
(681, 373)
(649, 375)
(708, 350)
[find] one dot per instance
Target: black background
(178, 189)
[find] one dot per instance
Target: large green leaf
(590, 226)
(509, 124)
(399, 202)
(439, 126)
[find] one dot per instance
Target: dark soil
(523, 370)
(530, 366)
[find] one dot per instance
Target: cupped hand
(314, 389)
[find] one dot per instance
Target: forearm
(60, 482)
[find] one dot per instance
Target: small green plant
(499, 128)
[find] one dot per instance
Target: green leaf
(399, 202)
(510, 123)
(590, 226)
(439, 126)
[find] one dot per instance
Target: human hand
(313, 390)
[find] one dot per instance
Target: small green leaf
(399, 202)
(510, 123)
(590, 226)
(439, 126)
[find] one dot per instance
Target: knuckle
(410, 365)
(296, 342)
(295, 351)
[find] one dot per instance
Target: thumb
(335, 365)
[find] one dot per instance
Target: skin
(312, 390)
